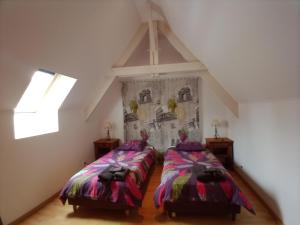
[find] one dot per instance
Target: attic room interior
(149, 112)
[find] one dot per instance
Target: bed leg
(75, 208)
(233, 216)
(171, 214)
(127, 212)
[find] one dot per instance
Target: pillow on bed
(189, 146)
(183, 134)
(133, 145)
(144, 134)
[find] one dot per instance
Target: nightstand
(103, 146)
(222, 148)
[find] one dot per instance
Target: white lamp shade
(108, 125)
(215, 123)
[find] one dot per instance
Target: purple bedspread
(179, 182)
(85, 184)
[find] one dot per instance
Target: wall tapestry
(162, 107)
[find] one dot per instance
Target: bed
(181, 192)
(85, 188)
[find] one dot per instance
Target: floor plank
(56, 214)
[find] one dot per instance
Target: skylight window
(37, 111)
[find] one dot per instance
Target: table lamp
(107, 127)
(216, 123)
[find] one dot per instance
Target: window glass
(37, 111)
(35, 91)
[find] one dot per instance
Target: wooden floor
(56, 214)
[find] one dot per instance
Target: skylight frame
(41, 116)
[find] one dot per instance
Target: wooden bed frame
(202, 208)
(104, 204)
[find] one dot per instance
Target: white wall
(33, 169)
(110, 109)
(214, 108)
(267, 147)
(71, 37)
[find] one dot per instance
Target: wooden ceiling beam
(132, 71)
(153, 42)
(192, 64)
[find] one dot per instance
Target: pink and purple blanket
(179, 182)
(85, 183)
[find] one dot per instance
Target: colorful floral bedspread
(85, 184)
(179, 182)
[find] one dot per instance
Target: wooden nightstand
(222, 148)
(103, 146)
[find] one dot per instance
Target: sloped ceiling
(251, 47)
(77, 38)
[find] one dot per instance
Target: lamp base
(108, 135)
(216, 132)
